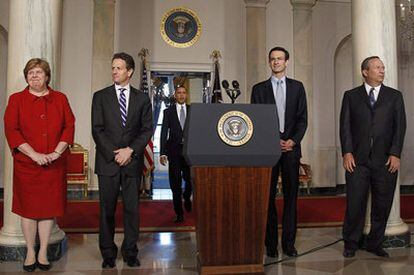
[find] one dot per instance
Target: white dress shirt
(126, 92)
(178, 106)
(376, 90)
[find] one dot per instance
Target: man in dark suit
(172, 151)
(121, 128)
(372, 129)
(290, 99)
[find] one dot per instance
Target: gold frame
(78, 149)
(173, 43)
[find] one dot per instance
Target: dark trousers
(177, 171)
(382, 184)
(288, 165)
(109, 188)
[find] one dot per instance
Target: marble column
(256, 52)
(34, 31)
(374, 33)
(303, 67)
(102, 51)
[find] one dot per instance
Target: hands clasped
(286, 145)
(123, 156)
(44, 159)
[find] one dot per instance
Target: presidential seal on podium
(235, 128)
(180, 27)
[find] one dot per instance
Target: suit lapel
(289, 97)
(133, 104)
(363, 95)
(175, 116)
(270, 96)
(114, 104)
(381, 96)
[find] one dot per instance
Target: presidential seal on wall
(235, 128)
(180, 27)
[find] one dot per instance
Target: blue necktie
(371, 97)
(122, 106)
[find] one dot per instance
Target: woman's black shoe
(30, 267)
(44, 267)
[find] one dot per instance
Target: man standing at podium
(290, 99)
(172, 151)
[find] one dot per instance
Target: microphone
(225, 84)
(235, 84)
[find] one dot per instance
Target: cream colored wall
(138, 26)
(3, 97)
(343, 82)
(279, 31)
(76, 64)
(331, 24)
(4, 24)
(4, 13)
(406, 86)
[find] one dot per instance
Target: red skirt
(39, 192)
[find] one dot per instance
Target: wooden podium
(231, 187)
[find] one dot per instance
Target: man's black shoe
(132, 262)
(179, 219)
(348, 253)
(291, 252)
(108, 263)
(379, 252)
(188, 205)
(272, 253)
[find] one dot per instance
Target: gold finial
(215, 55)
(143, 53)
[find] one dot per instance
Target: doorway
(163, 84)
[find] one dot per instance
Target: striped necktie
(122, 106)
(372, 97)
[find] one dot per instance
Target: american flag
(149, 149)
(217, 97)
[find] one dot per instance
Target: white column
(256, 53)
(34, 31)
(303, 66)
(103, 49)
(374, 33)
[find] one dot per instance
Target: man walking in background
(172, 151)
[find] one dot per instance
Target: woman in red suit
(39, 126)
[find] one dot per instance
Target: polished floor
(175, 253)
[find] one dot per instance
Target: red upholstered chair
(77, 167)
(305, 178)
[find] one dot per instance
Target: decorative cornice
(303, 4)
(256, 3)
